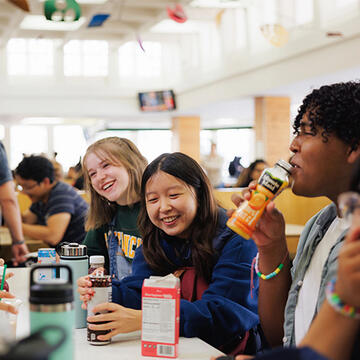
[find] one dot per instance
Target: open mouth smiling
(170, 219)
(108, 185)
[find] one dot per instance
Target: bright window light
(86, 58)
(63, 136)
(225, 140)
(2, 132)
(30, 57)
(304, 11)
(27, 140)
(345, 3)
(127, 59)
(148, 63)
(133, 61)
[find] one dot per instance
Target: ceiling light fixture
(39, 22)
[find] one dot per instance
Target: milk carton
(160, 316)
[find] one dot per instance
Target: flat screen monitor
(157, 100)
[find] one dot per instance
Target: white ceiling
(224, 97)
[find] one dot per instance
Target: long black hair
(201, 231)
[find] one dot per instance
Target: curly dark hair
(203, 227)
(333, 110)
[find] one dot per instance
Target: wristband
(271, 275)
(338, 305)
(19, 242)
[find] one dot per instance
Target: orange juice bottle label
(244, 219)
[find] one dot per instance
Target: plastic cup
(9, 319)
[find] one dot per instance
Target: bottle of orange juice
(271, 182)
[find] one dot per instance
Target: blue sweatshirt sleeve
(127, 292)
(226, 308)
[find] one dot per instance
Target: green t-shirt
(125, 229)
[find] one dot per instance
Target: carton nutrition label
(158, 323)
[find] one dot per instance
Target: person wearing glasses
(10, 209)
(57, 213)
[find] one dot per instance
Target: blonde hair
(117, 151)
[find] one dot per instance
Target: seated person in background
(326, 149)
(182, 228)
(75, 174)
(10, 209)
(212, 163)
(251, 173)
(57, 213)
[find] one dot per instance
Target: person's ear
(354, 155)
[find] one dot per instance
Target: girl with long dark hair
(184, 232)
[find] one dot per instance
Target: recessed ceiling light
(39, 22)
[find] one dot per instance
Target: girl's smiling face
(170, 203)
(109, 181)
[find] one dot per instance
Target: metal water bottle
(51, 303)
(75, 255)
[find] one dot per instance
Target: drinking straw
(3, 279)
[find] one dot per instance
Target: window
(152, 148)
(304, 11)
(30, 57)
(133, 61)
(148, 63)
(144, 140)
(230, 143)
(345, 3)
(86, 58)
(27, 140)
(69, 143)
(127, 66)
(2, 132)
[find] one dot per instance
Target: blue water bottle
(51, 303)
(75, 255)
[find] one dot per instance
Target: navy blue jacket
(226, 308)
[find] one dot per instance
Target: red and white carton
(160, 316)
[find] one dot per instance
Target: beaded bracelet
(334, 300)
(271, 275)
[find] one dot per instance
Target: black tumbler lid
(51, 292)
(55, 291)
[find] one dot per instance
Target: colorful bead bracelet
(335, 301)
(272, 274)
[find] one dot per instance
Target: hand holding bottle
(85, 290)
(270, 229)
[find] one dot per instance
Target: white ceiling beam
(12, 28)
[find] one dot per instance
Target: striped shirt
(63, 198)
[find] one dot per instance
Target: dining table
(123, 346)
